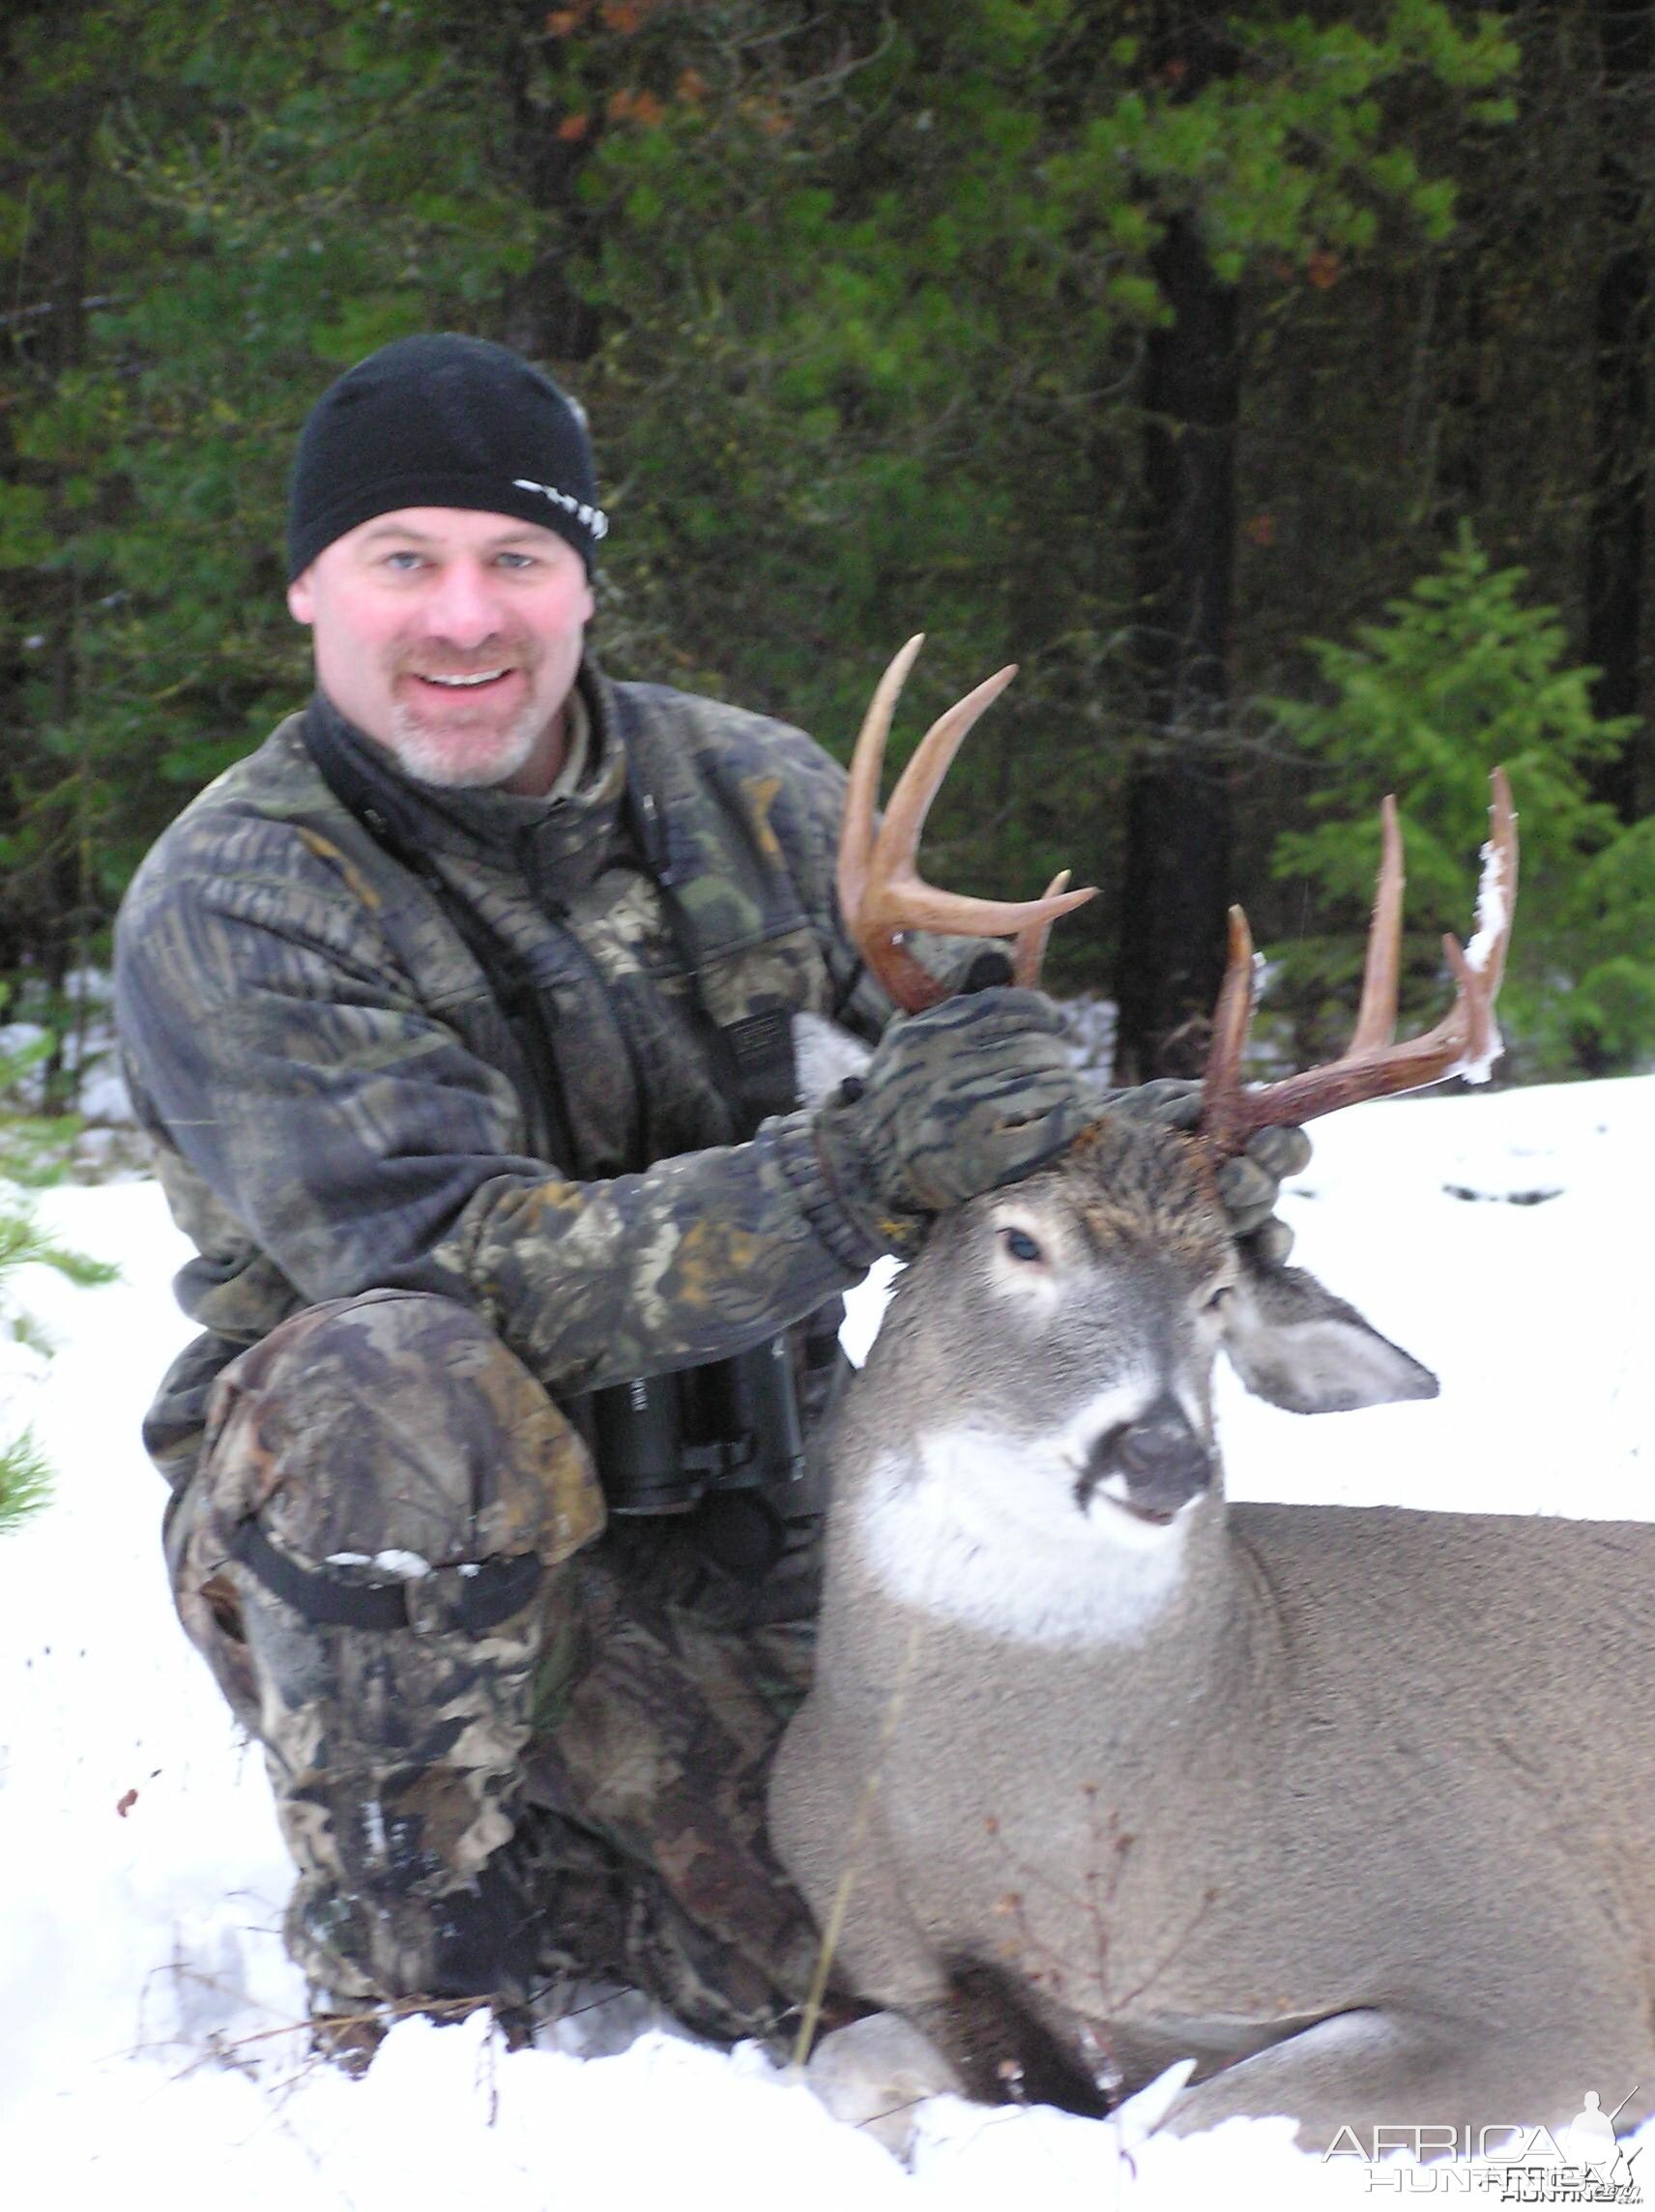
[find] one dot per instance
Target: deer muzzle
(1153, 1466)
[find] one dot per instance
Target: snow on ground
(147, 2040)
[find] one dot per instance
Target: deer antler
(1372, 1066)
(880, 890)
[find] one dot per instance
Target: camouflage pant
(604, 1728)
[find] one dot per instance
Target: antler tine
(1028, 949)
(1381, 971)
(1231, 1019)
(1497, 892)
(1373, 1066)
(919, 783)
(881, 891)
(861, 792)
(894, 886)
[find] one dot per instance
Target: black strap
(472, 1600)
(759, 1046)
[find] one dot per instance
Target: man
(459, 1016)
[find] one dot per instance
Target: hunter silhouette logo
(1589, 2141)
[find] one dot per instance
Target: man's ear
(301, 597)
(1295, 1343)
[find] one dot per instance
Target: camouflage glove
(1251, 1183)
(970, 1094)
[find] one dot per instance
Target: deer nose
(1165, 1464)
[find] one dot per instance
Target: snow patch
(152, 2031)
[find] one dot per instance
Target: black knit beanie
(443, 422)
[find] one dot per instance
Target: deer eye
(1218, 1299)
(1021, 1246)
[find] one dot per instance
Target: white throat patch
(979, 1529)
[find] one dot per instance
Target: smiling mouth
(477, 682)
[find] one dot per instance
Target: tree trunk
(1176, 875)
(1620, 422)
(64, 879)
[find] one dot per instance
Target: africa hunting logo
(1583, 2163)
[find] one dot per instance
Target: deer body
(1356, 1809)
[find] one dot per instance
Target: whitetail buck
(1354, 1808)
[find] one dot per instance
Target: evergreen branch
(26, 1480)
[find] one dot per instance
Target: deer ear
(1296, 1345)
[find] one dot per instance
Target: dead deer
(1354, 1809)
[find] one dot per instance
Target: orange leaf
(1260, 530)
(561, 21)
(627, 105)
(1322, 268)
(574, 127)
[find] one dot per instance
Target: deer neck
(944, 1533)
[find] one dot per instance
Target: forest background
(1273, 385)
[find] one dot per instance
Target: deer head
(1078, 1313)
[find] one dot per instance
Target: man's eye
(1021, 1246)
(516, 559)
(403, 563)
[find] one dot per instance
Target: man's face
(451, 638)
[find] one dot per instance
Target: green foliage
(1463, 677)
(23, 1244)
(1293, 150)
(34, 1146)
(25, 1478)
(246, 206)
(25, 1481)
(874, 288)
(857, 298)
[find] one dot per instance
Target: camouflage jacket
(338, 1100)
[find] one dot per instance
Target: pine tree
(32, 1152)
(1465, 675)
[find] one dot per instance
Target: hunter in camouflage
(459, 1017)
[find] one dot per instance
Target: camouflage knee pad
(370, 1557)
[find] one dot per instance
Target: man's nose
(462, 606)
